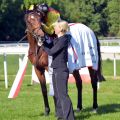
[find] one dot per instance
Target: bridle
(34, 31)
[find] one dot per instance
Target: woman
(59, 52)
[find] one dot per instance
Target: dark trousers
(64, 107)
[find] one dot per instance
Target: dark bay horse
(37, 56)
(39, 59)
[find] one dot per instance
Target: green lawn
(29, 103)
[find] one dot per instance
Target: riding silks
(52, 17)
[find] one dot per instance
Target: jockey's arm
(52, 17)
(48, 29)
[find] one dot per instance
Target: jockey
(49, 16)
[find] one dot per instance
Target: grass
(108, 65)
(29, 103)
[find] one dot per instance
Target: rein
(22, 38)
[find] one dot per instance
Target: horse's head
(33, 24)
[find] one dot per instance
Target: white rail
(111, 41)
(13, 49)
(6, 49)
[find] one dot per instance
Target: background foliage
(102, 16)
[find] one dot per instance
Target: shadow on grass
(87, 112)
(109, 108)
(104, 109)
(43, 115)
(2, 85)
(1, 80)
(37, 115)
(29, 85)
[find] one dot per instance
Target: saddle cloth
(82, 51)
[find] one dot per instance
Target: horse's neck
(32, 44)
(31, 40)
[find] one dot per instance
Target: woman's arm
(57, 47)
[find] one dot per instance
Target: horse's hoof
(47, 111)
(78, 110)
(94, 110)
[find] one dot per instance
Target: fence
(21, 49)
(110, 41)
(12, 49)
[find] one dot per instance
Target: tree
(102, 16)
(89, 12)
(27, 3)
(114, 17)
(11, 22)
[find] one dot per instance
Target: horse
(37, 56)
(87, 47)
(39, 59)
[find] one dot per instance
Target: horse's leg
(94, 80)
(44, 90)
(79, 89)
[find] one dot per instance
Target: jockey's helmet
(42, 8)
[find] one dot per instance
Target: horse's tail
(99, 71)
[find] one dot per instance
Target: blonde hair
(63, 26)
